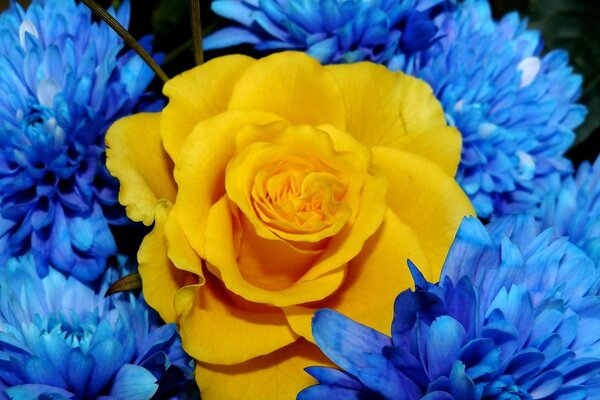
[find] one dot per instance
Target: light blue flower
(59, 339)
(332, 31)
(574, 208)
(516, 315)
(514, 107)
(64, 80)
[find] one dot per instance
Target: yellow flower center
(295, 186)
(292, 197)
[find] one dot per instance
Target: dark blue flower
(573, 208)
(515, 316)
(332, 31)
(64, 80)
(59, 339)
(514, 107)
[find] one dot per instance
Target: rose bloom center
(295, 197)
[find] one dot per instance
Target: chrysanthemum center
(40, 127)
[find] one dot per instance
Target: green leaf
(573, 25)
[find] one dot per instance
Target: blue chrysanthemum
(332, 31)
(574, 208)
(514, 107)
(64, 80)
(515, 316)
(60, 339)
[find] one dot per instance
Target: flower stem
(126, 36)
(196, 31)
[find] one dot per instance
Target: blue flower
(332, 31)
(573, 208)
(515, 316)
(514, 107)
(64, 80)
(59, 338)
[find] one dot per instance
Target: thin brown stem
(196, 31)
(126, 36)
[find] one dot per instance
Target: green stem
(126, 36)
(196, 31)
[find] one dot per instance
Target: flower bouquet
(351, 198)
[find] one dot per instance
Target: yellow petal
(426, 199)
(135, 156)
(397, 110)
(200, 170)
(345, 142)
(198, 94)
(160, 279)
(346, 245)
(179, 250)
(214, 329)
(293, 86)
(375, 277)
(271, 264)
(276, 376)
(222, 261)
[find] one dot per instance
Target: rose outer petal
(279, 375)
(425, 198)
(196, 95)
(280, 84)
(135, 156)
(179, 250)
(395, 110)
(160, 279)
(372, 271)
(210, 321)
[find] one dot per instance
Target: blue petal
(230, 36)
(445, 338)
(333, 377)
(40, 371)
(346, 342)
(32, 391)
(546, 384)
(327, 393)
(133, 382)
(109, 358)
(462, 387)
(80, 367)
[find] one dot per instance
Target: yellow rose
(277, 187)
